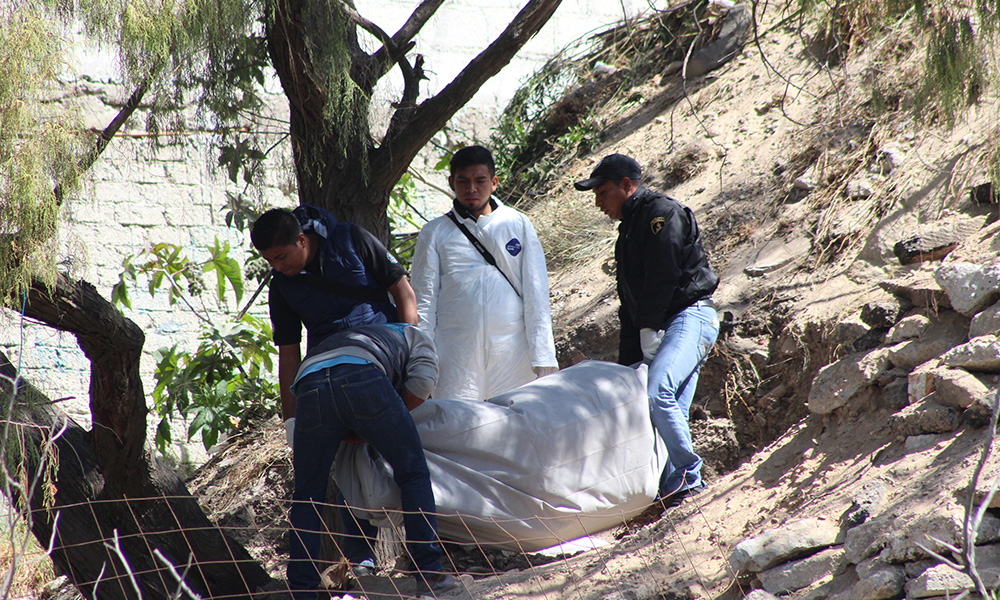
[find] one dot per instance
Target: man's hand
(411, 400)
(290, 432)
(649, 341)
(543, 371)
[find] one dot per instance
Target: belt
(705, 302)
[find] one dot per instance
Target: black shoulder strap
(345, 291)
(481, 248)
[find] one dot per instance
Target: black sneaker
(434, 584)
(674, 500)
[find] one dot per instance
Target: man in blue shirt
(328, 276)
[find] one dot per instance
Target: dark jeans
(330, 403)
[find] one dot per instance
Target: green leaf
(163, 437)
(226, 269)
(119, 294)
(200, 421)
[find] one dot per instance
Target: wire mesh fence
(645, 557)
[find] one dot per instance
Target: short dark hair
(276, 227)
(473, 155)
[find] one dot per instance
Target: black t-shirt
(381, 267)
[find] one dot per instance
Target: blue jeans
(673, 376)
(331, 403)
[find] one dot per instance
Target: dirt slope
(774, 152)
(794, 264)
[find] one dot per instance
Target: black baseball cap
(612, 167)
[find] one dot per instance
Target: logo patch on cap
(513, 247)
(657, 224)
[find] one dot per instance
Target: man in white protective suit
(482, 288)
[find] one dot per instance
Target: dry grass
(29, 571)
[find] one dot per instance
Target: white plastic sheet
(565, 456)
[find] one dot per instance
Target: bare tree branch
(404, 37)
(109, 132)
(410, 129)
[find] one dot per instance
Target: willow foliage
(39, 147)
(208, 53)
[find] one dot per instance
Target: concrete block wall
(139, 196)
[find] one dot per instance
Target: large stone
(798, 574)
(865, 503)
(958, 388)
(776, 546)
(949, 330)
(883, 311)
(837, 382)
(942, 580)
(908, 328)
(909, 534)
(869, 567)
(759, 594)
(920, 289)
(883, 584)
(867, 539)
(935, 240)
(980, 354)
(926, 416)
(986, 322)
(970, 287)
(895, 394)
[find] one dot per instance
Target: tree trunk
(107, 486)
(355, 177)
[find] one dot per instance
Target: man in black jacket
(668, 319)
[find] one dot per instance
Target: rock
(925, 416)
(938, 581)
(944, 522)
(987, 534)
(958, 388)
(759, 594)
(915, 568)
(806, 181)
(941, 336)
(883, 312)
(798, 574)
(935, 240)
(980, 354)
(867, 539)
(920, 382)
(791, 541)
(985, 323)
(908, 328)
(860, 188)
(866, 502)
(837, 382)
(916, 443)
(970, 287)
(920, 288)
(979, 414)
(869, 566)
(882, 584)
(895, 395)
(870, 340)
(849, 329)
(838, 587)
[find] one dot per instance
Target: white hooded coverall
(487, 338)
